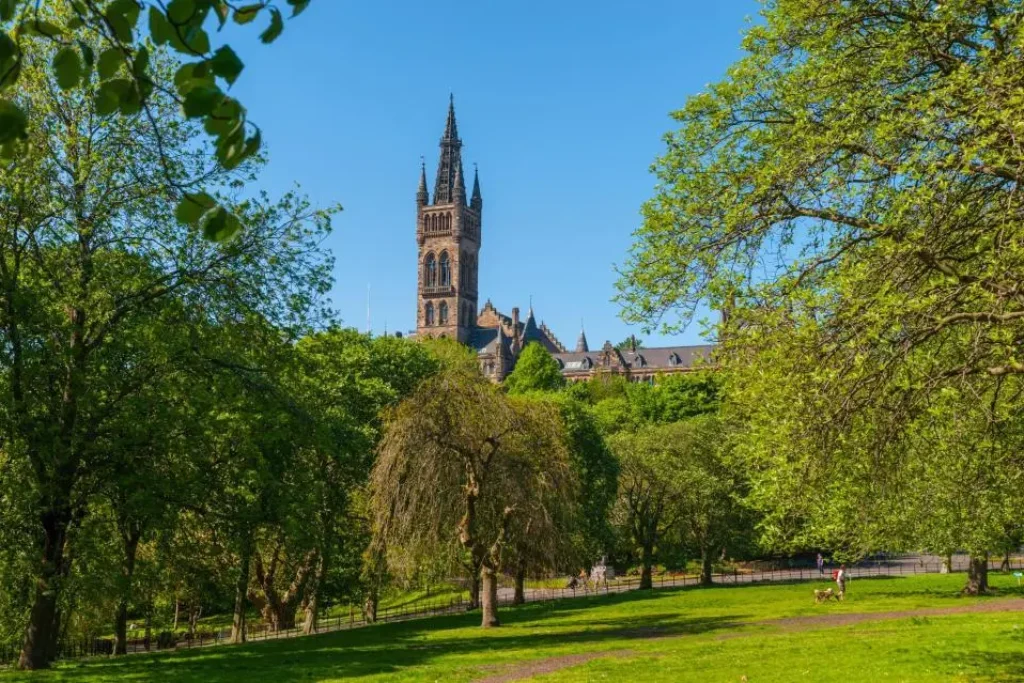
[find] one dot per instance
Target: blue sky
(562, 104)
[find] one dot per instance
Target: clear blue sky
(562, 104)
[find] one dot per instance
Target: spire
(450, 162)
(581, 343)
(421, 194)
(530, 331)
(478, 201)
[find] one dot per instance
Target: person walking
(841, 581)
(821, 564)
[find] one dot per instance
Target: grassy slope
(668, 635)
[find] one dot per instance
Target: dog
(825, 595)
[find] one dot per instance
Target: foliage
(463, 468)
(105, 51)
(849, 193)
(536, 370)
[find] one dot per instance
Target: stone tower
(448, 235)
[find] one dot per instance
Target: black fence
(775, 571)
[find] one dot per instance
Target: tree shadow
(995, 666)
(390, 649)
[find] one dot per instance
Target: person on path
(841, 581)
(821, 564)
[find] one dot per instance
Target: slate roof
(658, 358)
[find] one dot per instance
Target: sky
(563, 105)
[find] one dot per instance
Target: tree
(536, 370)
(849, 193)
(101, 52)
(650, 507)
(462, 466)
(87, 251)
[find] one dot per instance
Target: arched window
(428, 314)
(446, 270)
(430, 271)
(442, 313)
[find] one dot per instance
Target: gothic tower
(448, 235)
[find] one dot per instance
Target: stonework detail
(449, 233)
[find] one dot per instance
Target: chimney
(515, 321)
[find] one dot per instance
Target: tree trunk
(149, 621)
(238, 634)
(177, 611)
(947, 564)
(131, 546)
(39, 647)
(706, 567)
(646, 562)
(370, 607)
(489, 598)
(1005, 565)
(311, 603)
(474, 592)
(977, 575)
(519, 596)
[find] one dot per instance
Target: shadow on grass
(390, 649)
(994, 666)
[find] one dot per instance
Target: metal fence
(882, 565)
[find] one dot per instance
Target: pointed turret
(530, 331)
(422, 196)
(478, 201)
(581, 343)
(451, 159)
(459, 193)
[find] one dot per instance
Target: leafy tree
(87, 253)
(104, 51)
(536, 370)
(462, 466)
(650, 505)
(850, 191)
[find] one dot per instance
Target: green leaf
(275, 28)
(13, 122)
(298, 6)
(192, 75)
(141, 62)
(181, 12)
(117, 94)
(202, 100)
(231, 149)
(226, 64)
(228, 116)
(7, 9)
(107, 99)
(67, 67)
(246, 13)
(122, 15)
(39, 27)
(111, 60)
(219, 225)
(192, 207)
(222, 10)
(160, 29)
(252, 145)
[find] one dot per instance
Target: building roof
(652, 359)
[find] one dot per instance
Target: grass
(717, 634)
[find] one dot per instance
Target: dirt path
(787, 624)
(549, 665)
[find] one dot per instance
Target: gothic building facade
(449, 229)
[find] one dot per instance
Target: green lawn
(767, 633)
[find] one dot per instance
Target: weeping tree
(462, 468)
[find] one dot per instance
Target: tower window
(442, 313)
(430, 271)
(428, 314)
(446, 270)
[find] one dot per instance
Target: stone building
(449, 235)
